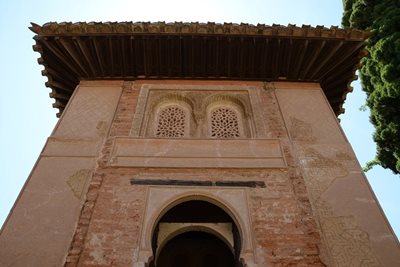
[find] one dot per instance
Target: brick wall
(108, 230)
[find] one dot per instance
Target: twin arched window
(222, 122)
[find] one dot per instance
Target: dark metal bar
(252, 184)
(169, 182)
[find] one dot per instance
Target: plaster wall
(39, 228)
(352, 224)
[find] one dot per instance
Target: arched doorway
(196, 233)
(195, 249)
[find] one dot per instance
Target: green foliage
(370, 165)
(380, 74)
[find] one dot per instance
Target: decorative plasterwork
(78, 182)
(232, 200)
(197, 102)
(225, 122)
(172, 121)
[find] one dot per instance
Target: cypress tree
(380, 73)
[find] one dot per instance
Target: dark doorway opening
(195, 240)
(195, 249)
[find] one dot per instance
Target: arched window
(224, 122)
(171, 122)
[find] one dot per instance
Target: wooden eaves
(71, 52)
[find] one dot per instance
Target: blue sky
(27, 117)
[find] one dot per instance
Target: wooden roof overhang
(71, 52)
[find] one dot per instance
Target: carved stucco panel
(347, 243)
(301, 130)
(232, 200)
(89, 113)
(78, 182)
(198, 99)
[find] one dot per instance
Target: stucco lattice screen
(186, 111)
(171, 123)
(224, 123)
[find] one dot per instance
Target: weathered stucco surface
(281, 225)
(39, 229)
(353, 227)
(314, 207)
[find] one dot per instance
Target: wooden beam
(138, 54)
(56, 94)
(242, 50)
(79, 43)
(217, 55)
(59, 103)
(123, 56)
(193, 41)
(342, 73)
(287, 58)
(73, 53)
(342, 58)
(299, 60)
(132, 55)
(110, 71)
(310, 63)
(62, 76)
(229, 55)
(168, 55)
(265, 62)
(331, 88)
(99, 54)
(332, 52)
(159, 70)
(202, 57)
(61, 57)
(252, 57)
(145, 56)
(175, 56)
(181, 61)
(53, 84)
(61, 91)
(337, 99)
(185, 56)
(275, 59)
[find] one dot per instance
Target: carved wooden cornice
(89, 28)
(71, 52)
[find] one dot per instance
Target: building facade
(197, 145)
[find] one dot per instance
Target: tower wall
(40, 226)
(352, 224)
(279, 226)
(304, 202)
